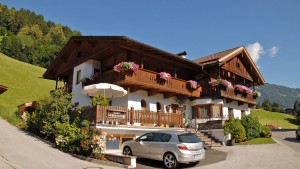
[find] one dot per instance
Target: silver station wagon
(170, 147)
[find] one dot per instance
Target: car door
(141, 145)
(158, 145)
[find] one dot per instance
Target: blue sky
(269, 29)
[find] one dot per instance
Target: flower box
(126, 66)
(165, 76)
(193, 84)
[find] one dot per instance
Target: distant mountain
(282, 95)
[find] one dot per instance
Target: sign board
(116, 114)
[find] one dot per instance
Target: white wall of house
(87, 69)
(234, 105)
(134, 100)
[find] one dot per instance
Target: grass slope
(25, 83)
(284, 120)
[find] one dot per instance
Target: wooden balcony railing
(150, 81)
(104, 114)
(229, 93)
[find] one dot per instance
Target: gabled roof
(123, 41)
(2, 89)
(214, 58)
(222, 57)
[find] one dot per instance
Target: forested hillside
(282, 95)
(27, 37)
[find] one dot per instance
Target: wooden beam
(240, 103)
(152, 92)
(168, 95)
(133, 89)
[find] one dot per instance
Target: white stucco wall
(134, 100)
(234, 105)
(87, 69)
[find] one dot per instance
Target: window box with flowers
(165, 76)
(256, 94)
(193, 84)
(221, 83)
(240, 89)
(88, 80)
(127, 67)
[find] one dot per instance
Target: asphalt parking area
(212, 156)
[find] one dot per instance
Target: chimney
(182, 54)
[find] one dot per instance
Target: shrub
(235, 127)
(68, 137)
(265, 131)
(99, 100)
(252, 127)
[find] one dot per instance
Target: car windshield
(188, 138)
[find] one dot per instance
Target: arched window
(143, 104)
(158, 106)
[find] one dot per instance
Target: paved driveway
(287, 138)
(18, 150)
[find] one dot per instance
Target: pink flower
(165, 75)
(193, 84)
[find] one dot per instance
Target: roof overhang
(121, 41)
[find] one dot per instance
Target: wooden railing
(231, 94)
(110, 114)
(146, 79)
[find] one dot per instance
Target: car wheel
(298, 137)
(170, 161)
(127, 151)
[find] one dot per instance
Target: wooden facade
(113, 50)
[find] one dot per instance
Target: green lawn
(259, 141)
(284, 120)
(25, 83)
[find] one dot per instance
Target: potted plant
(126, 66)
(165, 76)
(256, 94)
(193, 84)
(240, 89)
(223, 84)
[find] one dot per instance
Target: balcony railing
(148, 80)
(103, 114)
(229, 93)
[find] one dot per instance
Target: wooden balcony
(230, 95)
(103, 114)
(149, 81)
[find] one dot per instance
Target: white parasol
(105, 89)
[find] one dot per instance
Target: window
(143, 104)
(147, 137)
(161, 137)
(238, 65)
(78, 76)
(204, 111)
(76, 104)
(158, 106)
(207, 111)
(216, 110)
(188, 138)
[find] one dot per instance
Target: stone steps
(208, 140)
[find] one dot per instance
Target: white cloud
(273, 51)
(255, 50)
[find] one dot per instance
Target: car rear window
(188, 138)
